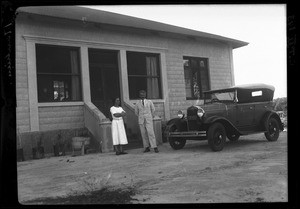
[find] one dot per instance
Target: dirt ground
(249, 170)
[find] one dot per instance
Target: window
(58, 73)
(256, 93)
(196, 77)
(143, 73)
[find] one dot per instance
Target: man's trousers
(147, 133)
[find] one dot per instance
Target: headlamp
(200, 112)
(180, 114)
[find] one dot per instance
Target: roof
(245, 87)
(99, 16)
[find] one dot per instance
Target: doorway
(104, 78)
(105, 86)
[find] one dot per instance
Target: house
(71, 60)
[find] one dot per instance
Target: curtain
(75, 78)
(152, 82)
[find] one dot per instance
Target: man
(144, 109)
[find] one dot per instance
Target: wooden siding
(22, 110)
(159, 110)
(67, 117)
(219, 69)
(217, 53)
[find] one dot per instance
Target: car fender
(268, 115)
(173, 121)
(227, 124)
(180, 123)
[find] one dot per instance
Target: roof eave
(99, 16)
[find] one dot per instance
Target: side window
(196, 77)
(58, 73)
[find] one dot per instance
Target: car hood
(214, 109)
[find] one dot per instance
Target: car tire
(233, 137)
(272, 129)
(176, 143)
(216, 137)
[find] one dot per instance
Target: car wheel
(176, 143)
(272, 129)
(216, 136)
(233, 137)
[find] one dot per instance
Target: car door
(245, 116)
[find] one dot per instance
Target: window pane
(204, 78)
(45, 88)
(256, 93)
(75, 89)
(143, 73)
(187, 78)
(196, 88)
(194, 64)
(58, 73)
(136, 63)
(54, 59)
(186, 63)
(202, 65)
(136, 84)
(196, 77)
(152, 88)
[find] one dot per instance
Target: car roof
(256, 86)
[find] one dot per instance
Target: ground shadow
(202, 146)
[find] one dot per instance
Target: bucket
(77, 142)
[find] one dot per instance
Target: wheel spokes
(272, 129)
(218, 138)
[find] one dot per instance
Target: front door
(104, 78)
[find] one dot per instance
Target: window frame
(198, 69)
(59, 74)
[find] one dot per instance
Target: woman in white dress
(117, 127)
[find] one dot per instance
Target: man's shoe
(123, 153)
(156, 150)
(147, 149)
(118, 153)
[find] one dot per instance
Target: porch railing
(99, 126)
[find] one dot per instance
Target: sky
(263, 60)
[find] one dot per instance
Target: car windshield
(219, 97)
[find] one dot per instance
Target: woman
(117, 127)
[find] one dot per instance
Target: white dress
(117, 127)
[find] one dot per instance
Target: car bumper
(187, 134)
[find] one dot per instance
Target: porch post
(85, 74)
(32, 86)
(106, 136)
(157, 130)
(123, 76)
(165, 87)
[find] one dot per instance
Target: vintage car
(229, 112)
